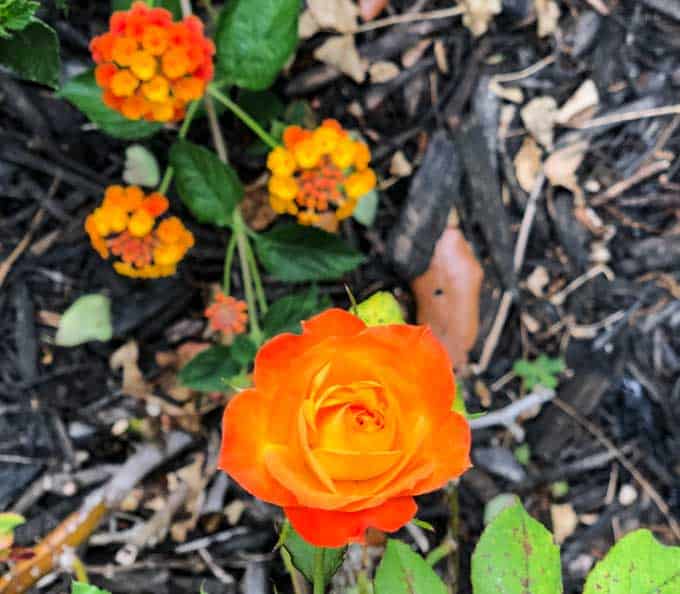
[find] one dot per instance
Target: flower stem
(228, 258)
(170, 170)
(259, 289)
(243, 116)
(318, 570)
(242, 246)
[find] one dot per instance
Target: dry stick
(77, 528)
(524, 73)
(630, 116)
(620, 187)
(635, 473)
(399, 19)
(7, 263)
(600, 6)
(506, 301)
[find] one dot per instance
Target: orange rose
(345, 424)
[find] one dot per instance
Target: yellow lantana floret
(358, 184)
(141, 223)
(307, 153)
(283, 186)
(344, 152)
(143, 65)
(281, 162)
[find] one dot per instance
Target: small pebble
(627, 495)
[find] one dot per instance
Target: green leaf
(84, 93)
(254, 40)
(173, 6)
(285, 314)
(209, 188)
(263, 106)
(210, 370)
(637, 564)
(302, 555)
(295, 253)
(80, 588)
(516, 555)
(243, 350)
(87, 319)
(9, 521)
(15, 15)
(141, 167)
(33, 54)
(541, 371)
(380, 309)
(367, 208)
(402, 571)
(497, 504)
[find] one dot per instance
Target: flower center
(320, 186)
(137, 251)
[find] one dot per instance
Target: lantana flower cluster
(149, 66)
(127, 225)
(319, 171)
(227, 315)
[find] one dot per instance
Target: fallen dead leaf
(538, 280)
(400, 165)
(512, 94)
(126, 358)
(547, 14)
(479, 13)
(255, 206)
(369, 9)
(413, 54)
(49, 318)
(581, 106)
(337, 15)
(234, 511)
(564, 521)
(447, 295)
(560, 167)
(196, 480)
(340, 52)
(539, 116)
(308, 26)
(528, 164)
(383, 71)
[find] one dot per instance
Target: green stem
(318, 570)
(243, 116)
(242, 247)
(183, 131)
(228, 258)
(259, 289)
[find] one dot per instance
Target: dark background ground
(625, 379)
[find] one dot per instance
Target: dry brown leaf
(369, 9)
(255, 206)
(479, 13)
(539, 116)
(196, 480)
(338, 15)
(581, 106)
(340, 52)
(564, 521)
(528, 164)
(560, 167)
(447, 295)
(308, 26)
(126, 358)
(49, 318)
(383, 71)
(513, 94)
(538, 280)
(547, 14)
(234, 511)
(413, 54)
(400, 165)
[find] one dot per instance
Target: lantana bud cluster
(227, 315)
(149, 66)
(319, 171)
(127, 225)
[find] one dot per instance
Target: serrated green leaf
(516, 555)
(243, 350)
(541, 371)
(9, 521)
(402, 571)
(141, 167)
(302, 555)
(87, 319)
(209, 188)
(83, 92)
(285, 314)
(637, 564)
(81, 588)
(380, 309)
(173, 6)
(295, 253)
(33, 54)
(366, 208)
(254, 40)
(210, 370)
(15, 15)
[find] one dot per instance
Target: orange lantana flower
(340, 432)
(149, 66)
(319, 172)
(227, 315)
(126, 225)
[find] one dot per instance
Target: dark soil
(60, 408)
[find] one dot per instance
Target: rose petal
(335, 529)
(333, 322)
(356, 466)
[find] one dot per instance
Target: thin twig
(495, 332)
(630, 116)
(619, 188)
(527, 223)
(634, 472)
(399, 19)
(524, 73)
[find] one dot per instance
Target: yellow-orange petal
(155, 204)
(306, 153)
(163, 111)
(103, 74)
(168, 253)
(326, 528)
(143, 65)
(284, 187)
(155, 40)
(134, 107)
(123, 49)
(175, 62)
(359, 183)
(362, 156)
(141, 223)
(280, 161)
(156, 89)
(188, 88)
(343, 153)
(123, 83)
